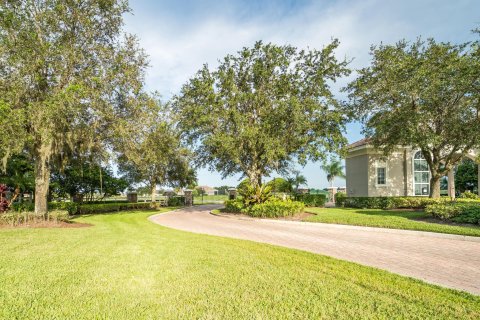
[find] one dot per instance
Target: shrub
(16, 218)
(176, 201)
(389, 202)
(340, 198)
(469, 195)
(112, 207)
(233, 206)
(462, 212)
(71, 207)
(275, 208)
(312, 200)
(253, 195)
(22, 206)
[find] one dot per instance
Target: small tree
(333, 169)
(263, 108)
(154, 154)
(424, 95)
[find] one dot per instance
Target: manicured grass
(125, 267)
(410, 220)
(210, 199)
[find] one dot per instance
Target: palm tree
(333, 169)
(297, 180)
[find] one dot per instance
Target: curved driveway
(447, 260)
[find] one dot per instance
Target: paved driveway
(448, 260)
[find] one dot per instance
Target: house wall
(356, 169)
(361, 172)
(396, 182)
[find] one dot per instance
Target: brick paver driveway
(447, 260)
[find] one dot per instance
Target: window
(381, 176)
(381, 173)
(421, 175)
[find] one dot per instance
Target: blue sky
(180, 36)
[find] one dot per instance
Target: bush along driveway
(447, 260)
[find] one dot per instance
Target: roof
(359, 143)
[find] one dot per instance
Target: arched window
(421, 175)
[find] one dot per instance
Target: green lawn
(410, 220)
(125, 267)
(210, 199)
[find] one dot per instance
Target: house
(209, 191)
(404, 172)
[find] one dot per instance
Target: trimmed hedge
(70, 207)
(312, 200)
(276, 208)
(111, 207)
(462, 212)
(389, 202)
(272, 208)
(74, 208)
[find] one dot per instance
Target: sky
(180, 36)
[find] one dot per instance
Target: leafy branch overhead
(262, 108)
(422, 94)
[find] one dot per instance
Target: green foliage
(112, 207)
(262, 108)
(466, 176)
(155, 155)
(333, 169)
(177, 201)
(234, 206)
(340, 199)
(389, 202)
(275, 208)
(86, 178)
(19, 173)
(424, 95)
(296, 181)
(312, 200)
(279, 185)
(255, 194)
(469, 195)
(69, 87)
(71, 207)
(461, 212)
(18, 218)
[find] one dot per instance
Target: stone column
(451, 183)
(132, 197)
(188, 197)
(232, 194)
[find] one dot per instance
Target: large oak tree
(63, 66)
(263, 108)
(425, 95)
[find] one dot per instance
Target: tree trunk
(153, 192)
(42, 183)
(435, 186)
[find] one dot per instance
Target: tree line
(72, 91)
